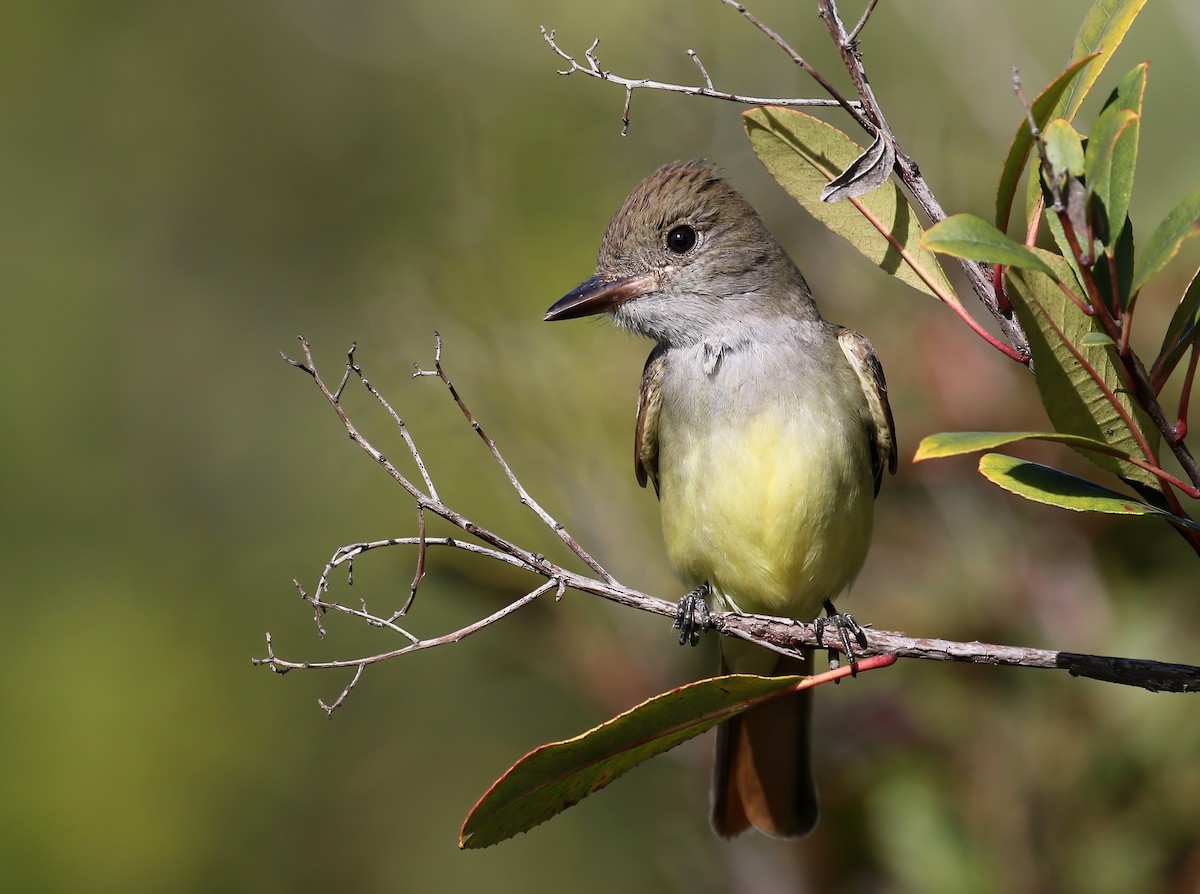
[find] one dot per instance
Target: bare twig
(282, 666)
(526, 499)
(852, 60)
(862, 23)
(783, 635)
(337, 703)
(419, 571)
(593, 69)
(404, 432)
(703, 71)
(853, 109)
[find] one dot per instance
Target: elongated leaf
(1103, 29)
(1075, 403)
(1111, 156)
(959, 442)
(554, 777)
(1043, 484)
(970, 236)
(1042, 107)
(1127, 97)
(804, 154)
(1182, 222)
(1183, 331)
(1130, 91)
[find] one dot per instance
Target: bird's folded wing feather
(645, 444)
(866, 366)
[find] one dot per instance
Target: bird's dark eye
(681, 239)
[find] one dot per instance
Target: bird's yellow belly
(775, 513)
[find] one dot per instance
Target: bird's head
(686, 256)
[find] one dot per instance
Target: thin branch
(593, 69)
(853, 36)
(852, 60)
(419, 571)
(436, 506)
(855, 110)
(340, 700)
(526, 500)
(1181, 423)
(404, 432)
(282, 666)
(352, 551)
(322, 607)
(708, 82)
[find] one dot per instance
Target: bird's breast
(766, 483)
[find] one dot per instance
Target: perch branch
(783, 635)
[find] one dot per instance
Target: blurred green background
(186, 187)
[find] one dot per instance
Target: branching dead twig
(782, 635)
(593, 69)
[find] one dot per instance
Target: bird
(764, 430)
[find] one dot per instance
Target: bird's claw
(692, 616)
(847, 628)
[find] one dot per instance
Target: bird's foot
(847, 628)
(692, 616)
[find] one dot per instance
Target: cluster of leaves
(1076, 305)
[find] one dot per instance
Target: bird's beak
(599, 294)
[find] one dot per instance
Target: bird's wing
(645, 443)
(866, 366)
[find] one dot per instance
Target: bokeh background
(187, 187)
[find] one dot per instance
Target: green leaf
(1042, 484)
(1103, 29)
(1064, 149)
(1109, 166)
(1074, 401)
(1182, 222)
(970, 236)
(804, 154)
(957, 443)
(1042, 108)
(1183, 331)
(554, 777)
(1127, 97)
(1130, 91)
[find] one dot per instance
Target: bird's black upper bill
(600, 294)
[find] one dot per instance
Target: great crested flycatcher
(765, 431)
